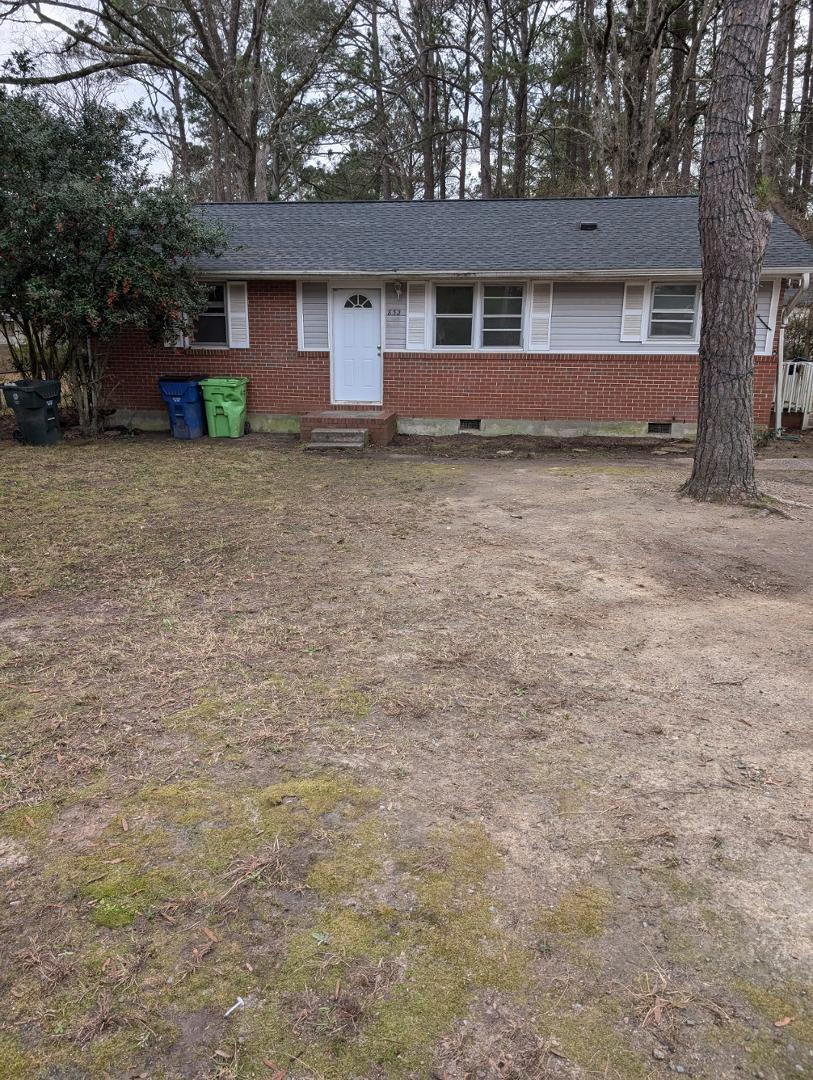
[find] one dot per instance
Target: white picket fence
(797, 389)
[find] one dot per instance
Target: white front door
(357, 345)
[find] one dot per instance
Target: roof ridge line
(444, 202)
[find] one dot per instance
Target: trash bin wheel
(246, 428)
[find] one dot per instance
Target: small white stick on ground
(237, 1005)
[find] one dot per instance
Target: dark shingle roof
(484, 236)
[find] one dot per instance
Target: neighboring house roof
(493, 236)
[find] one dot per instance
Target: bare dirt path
(451, 768)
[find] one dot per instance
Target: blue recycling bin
(184, 405)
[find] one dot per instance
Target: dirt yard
(432, 768)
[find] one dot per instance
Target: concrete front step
(380, 424)
(337, 439)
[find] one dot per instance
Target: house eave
(422, 275)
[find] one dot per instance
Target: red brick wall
(543, 386)
(281, 379)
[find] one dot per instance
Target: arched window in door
(358, 300)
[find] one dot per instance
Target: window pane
(452, 330)
(454, 299)
(674, 309)
(673, 303)
(510, 339)
(211, 330)
(217, 298)
(675, 290)
(502, 305)
(502, 290)
(502, 300)
(664, 328)
(502, 322)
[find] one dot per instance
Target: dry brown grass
(430, 763)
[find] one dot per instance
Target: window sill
(474, 349)
(689, 342)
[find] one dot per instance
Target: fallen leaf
(30, 822)
(783, 1022)
(223, 1054)
(125, 827)
(211, 935)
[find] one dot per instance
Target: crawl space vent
(470, 425)
(655, 427)
(588, 226)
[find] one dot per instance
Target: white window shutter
(314, 315)
(632, 315)
(238, 314)
(539, 330)
(178, 341)
(416, 315)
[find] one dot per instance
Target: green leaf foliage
(89, 241)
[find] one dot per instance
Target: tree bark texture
(733, 236)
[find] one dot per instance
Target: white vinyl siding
(584, 317)
(313, 316)
(395, 316)
(766, 318)
(416, 315)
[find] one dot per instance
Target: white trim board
(596, 273)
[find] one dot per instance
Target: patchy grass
(368, 744)
(581, 913)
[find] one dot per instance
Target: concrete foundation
(289, 424)
(555, 429)
(157, 420)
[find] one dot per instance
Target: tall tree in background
(733, 236)
(433, 99)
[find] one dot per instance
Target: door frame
(357, 283)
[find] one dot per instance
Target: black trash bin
(35, 403)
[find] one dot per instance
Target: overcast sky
(31, 35)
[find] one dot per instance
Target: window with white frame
(212, 323)
(454, 315)
(502, 316)
(673, 310)
(486, 316)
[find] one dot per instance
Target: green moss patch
(590, 1037)
(581, 913)
(122, 894)
(27, 822)
(443, 947)
(317, 794)
(15, 1062)
(781, 1002)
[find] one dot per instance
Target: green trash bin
(225, 402)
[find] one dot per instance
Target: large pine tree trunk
(733, 235)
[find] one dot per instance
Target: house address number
(393, 311)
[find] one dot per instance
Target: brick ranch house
(530, 316)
